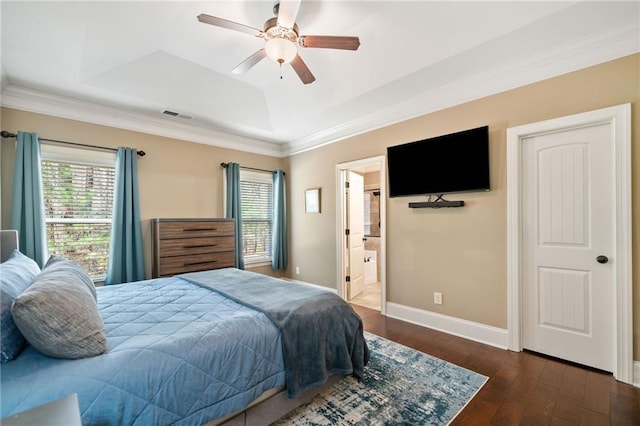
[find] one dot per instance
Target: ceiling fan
(282, 39)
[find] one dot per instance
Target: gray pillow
(16, 274)
(73, 269)
(58, 314)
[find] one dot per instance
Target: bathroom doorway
(371, 172)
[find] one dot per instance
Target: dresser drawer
(195, 229)
(191, 246)
(201, 262)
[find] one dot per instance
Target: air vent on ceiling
(177, 114)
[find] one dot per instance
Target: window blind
(256, 192)
(367, 213)
(78, 203)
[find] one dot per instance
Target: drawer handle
(199, 263)
(199, 229)
(199, 246)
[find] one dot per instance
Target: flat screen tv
(457, 162)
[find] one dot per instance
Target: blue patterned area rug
(401, 386)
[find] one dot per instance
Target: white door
(355, 239)
(568, 236)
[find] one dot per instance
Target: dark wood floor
(523, 388)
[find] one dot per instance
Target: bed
(212, 346)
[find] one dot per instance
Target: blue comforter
(321, 334)
(178, 354)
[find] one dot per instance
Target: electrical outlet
(437, 298)
(297, 270)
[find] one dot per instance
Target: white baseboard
(477, 332)
(321, 287)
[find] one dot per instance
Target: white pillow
(16, 274)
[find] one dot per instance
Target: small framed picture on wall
(312, 200)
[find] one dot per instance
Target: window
(367, 213)
(256, 196)
(372, 212)
(77, 186)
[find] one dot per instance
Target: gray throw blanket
(321, 334)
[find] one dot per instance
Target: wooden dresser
(190, 245)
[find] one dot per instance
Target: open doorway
(361, 229)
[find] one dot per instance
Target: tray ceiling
(124, 63)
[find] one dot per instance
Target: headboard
(8, 243)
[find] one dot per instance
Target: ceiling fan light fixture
(282, 37)
(280, 50)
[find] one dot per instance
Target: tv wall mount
(436, 204)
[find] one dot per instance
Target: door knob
(602, 259)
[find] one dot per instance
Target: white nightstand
(63, 412)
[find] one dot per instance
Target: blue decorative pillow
(16, 274)
(58, 313)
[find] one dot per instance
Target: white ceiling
(124, 63)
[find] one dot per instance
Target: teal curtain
(126, 257)
(27, 205)
(279, 234)
(234, 208)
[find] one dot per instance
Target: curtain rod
(6, 134)
(224, 165)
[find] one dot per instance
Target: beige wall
(460, 252)
(176, 178)
(371, 179)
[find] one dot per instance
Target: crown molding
(563, 59)
(40, 102)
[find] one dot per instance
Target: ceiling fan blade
(219, 22)
(330, 42)
(287, 12)
(302, 70)
(248, 63)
